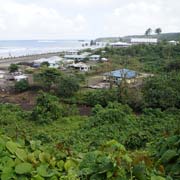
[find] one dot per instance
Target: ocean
(16, 48)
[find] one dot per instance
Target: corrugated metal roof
(122, 73)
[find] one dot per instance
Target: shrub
(47, 109)
(67, 86)
(21, 86)
(13, 68)
(47, 77)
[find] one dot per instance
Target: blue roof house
(120, 74)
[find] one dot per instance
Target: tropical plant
(148, 32)
(166, 153)
(158, 31)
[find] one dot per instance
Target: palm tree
(158, 31)
(148, 32)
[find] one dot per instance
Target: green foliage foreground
(28, 160)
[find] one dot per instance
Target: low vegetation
(131, 133)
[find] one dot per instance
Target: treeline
(158, 58)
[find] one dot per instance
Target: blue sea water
(15, 48)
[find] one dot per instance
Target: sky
(85, 19)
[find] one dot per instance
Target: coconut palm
(148, 32)
(158, 31)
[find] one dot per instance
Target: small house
(80, 66)
(53, 62)
(120, 44)
(72, 52)
(173, 42)
(94, 57)
(117, 76)
(76, 57)
(20, 77)
(104, 59)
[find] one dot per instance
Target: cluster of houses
(72, 59)
(136, 41)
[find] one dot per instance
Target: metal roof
(95, 56)
(144, 40)
(122, 73)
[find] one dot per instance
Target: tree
(162, 91)
(47, 109)
(47, 77)
(158, 31)
(148, 32)
(21, 85)
(67, 86)
(92, 43)
(13, 68)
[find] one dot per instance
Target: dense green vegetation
(131, 133)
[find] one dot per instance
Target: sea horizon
(16, 48)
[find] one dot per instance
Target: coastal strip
(7, 61)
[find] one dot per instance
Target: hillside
(164, 36)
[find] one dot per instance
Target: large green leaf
(23, 168)
(11, 146)
(21, 154)
(157, 178)
(7, 173)
(44, 171)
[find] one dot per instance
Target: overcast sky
(79, 19)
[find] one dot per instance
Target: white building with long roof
(144, 40)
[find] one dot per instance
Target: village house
(72, 52)
(129, 76)
(120, 44)
(104, 59)
(144, 40)
(117, 75)
(94, 57)
(80, 66)
(173, 42)
(53, 62)
(76, 57)
(20, 77)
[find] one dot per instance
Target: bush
(166, 153)
(47, 109)
(67, 86)
(163, 91)
(47, 77)
(13, 68)
(102, 97)
(21, 86)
